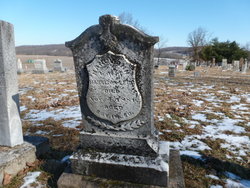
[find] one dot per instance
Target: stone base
(142, 169)
(40, 71)
(176, 179)
(60, 69)
(13, 160)
(121, 145)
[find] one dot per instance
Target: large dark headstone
(114, 71)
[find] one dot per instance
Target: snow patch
(30, 178)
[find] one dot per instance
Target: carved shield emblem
(113, 94)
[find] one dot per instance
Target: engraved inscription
(113, 94)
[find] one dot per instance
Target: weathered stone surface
(40, 66)
(13, 160)
(10, 123)
(113, 93)
(134, 47)
(114, 70)
(119, 144)
(176, 178)
(131, 168)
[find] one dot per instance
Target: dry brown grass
(168, 100)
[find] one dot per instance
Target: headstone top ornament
(110, 28)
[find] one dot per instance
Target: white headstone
(244, 67)
(19, 66)
(224, 64)
(236, 66)
(58, 66)
(10, 122)
(40, 66)
(184, 65)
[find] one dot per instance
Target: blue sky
(56, 21)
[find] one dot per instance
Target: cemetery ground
(207, 118)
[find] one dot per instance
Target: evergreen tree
(219, 50)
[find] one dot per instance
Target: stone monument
(19, 66)
(244, 67)
(224, 64)
(58, 66)
(40, 66)
(213, 62)
(14, 153)
(197, 74)
(114, 71)
(248, 63)
(236, 66)
(184, 65)
(171, 71)
(10, 122)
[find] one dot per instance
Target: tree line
(204, 49)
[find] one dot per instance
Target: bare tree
(159, 49)
(127, 18)
(197, 39)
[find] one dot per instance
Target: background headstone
(184, 65)
(40, 66)
(171, 71)
(10, 123)
(58, 66)
(19, 66)
(114, 71)
(241, 63)
(197, 74)
(236, 66)
(213, 62)
(244, 67)
(224, 64)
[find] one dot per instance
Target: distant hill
(51, 49)
(61, 50)
(175, 52)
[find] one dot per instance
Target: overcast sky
(56, 21)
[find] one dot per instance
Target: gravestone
(14, 153)
(10, 123)
(236, 66)
(241, 63)
(40, 66)
(58, 66)
(184, 65)
(197, 74)
(244, 67)
(224, 64)
(213, 62)
(19, 66)
(171, 71)
(114, 71)
(229, 67)
(248, 63)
